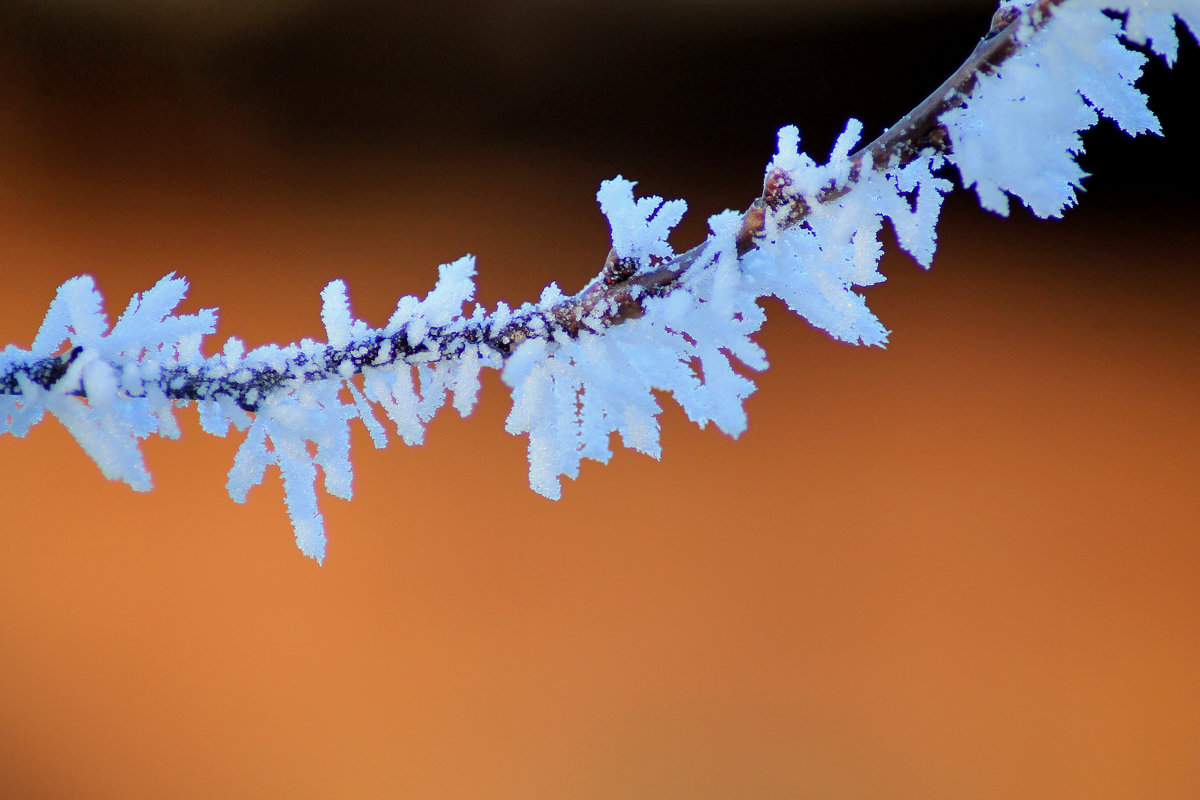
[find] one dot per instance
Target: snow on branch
(585, 366)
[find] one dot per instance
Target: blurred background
(964, 566)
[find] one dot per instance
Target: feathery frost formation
(581, 371)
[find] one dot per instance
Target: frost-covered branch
(585, 366)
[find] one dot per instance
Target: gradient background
(967, 566)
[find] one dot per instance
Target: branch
(586, 366)
(618, 293)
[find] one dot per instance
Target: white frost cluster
(639, 227)
(815, 267)
(116, 368)
(569, 395)
(300, 423)
(305, 425)
(1016, 134)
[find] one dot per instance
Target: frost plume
(1018, 132)
(115, 368)
(815, 267)
(639, 227)
(570, 395)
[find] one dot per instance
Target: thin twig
(897, 146)
(615, 295)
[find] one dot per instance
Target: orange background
(964, 566)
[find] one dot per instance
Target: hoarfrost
(577, 380)
(571, 395)
(639, 227)
(335, 314)
(1018, 133)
